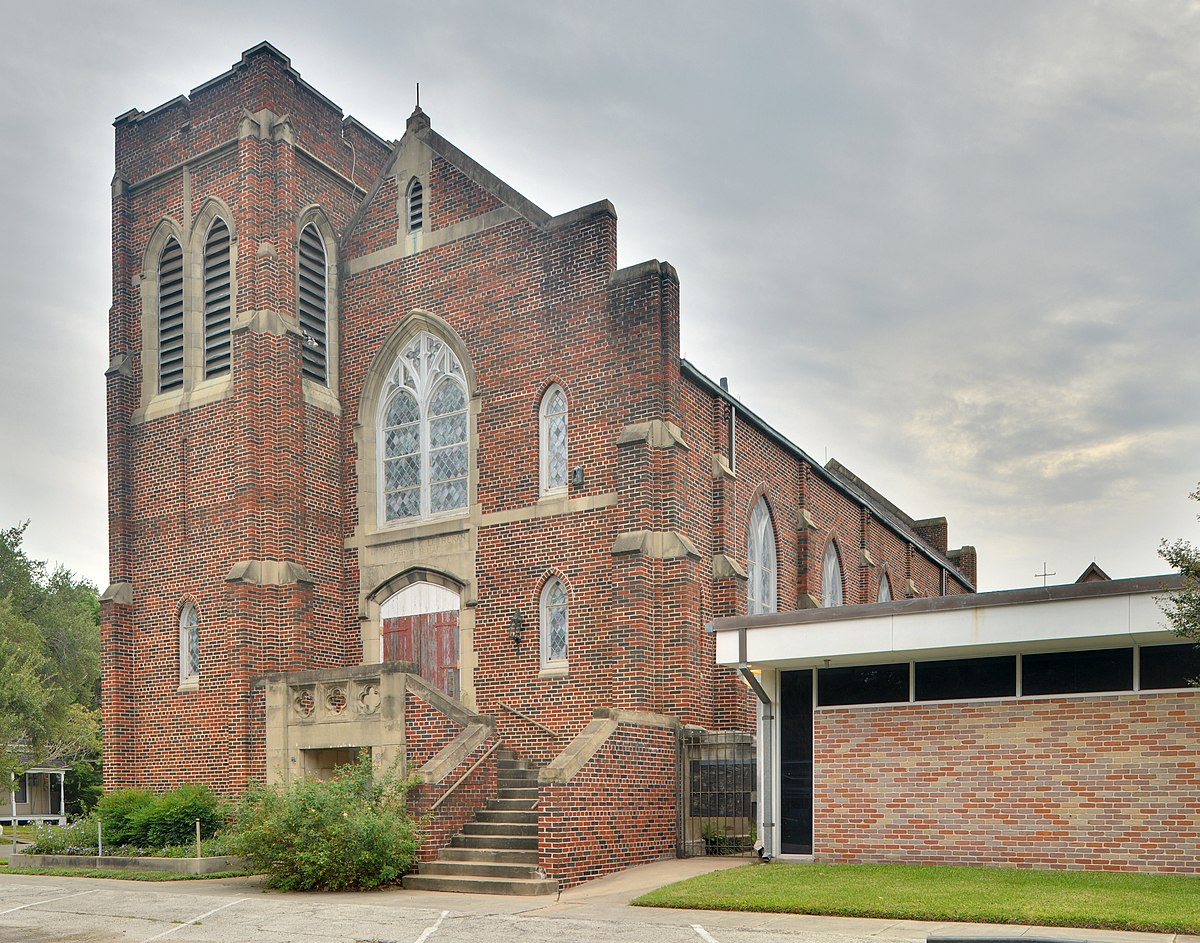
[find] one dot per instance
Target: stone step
(508, 829)
(483, 869)
(514, 792)
(488, 855)
(516, 776)
(511, 805)
(474, 885)
(529, 842)
(513, 816)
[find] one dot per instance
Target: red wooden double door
(431, 641)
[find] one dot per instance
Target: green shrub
(352, 831)
(123, 813)
(170, 819)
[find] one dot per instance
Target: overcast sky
(954, 245)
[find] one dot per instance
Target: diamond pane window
(552, 420)
(831, 577)
(554, 623)
(423, 434)
(189, 644)
(761, 586)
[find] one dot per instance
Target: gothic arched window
(415, 202)
(218, 298)
(831, 577)
(170, 317)
(761, 589)
(422, 433)
(189, 644)
(553, 618)
(312, 304)
(885, 589)
(552, 425)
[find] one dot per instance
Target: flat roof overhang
(1107, 614)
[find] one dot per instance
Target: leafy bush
(123, 812)
(170, 819)
(136, 822)
(352, 831)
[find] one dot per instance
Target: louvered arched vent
(217, 310)
(170, 317)
(416, 205)
(312, 304)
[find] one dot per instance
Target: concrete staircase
(497, 851)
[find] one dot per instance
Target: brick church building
(399, 461)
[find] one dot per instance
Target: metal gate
(718, 793)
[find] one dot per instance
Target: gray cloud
(951, 244)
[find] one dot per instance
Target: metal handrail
(463, 778)
(529, 720)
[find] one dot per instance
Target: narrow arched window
(415, 202)
(831, 577)
(189, 644)
(311, 304)
(885, 589)
(218, 287)
(761, 585)
(170, 317)
(554, 623)
(422, 433)
(552, 423)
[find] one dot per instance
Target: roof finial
(418, 96)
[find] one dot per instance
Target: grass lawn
(1151, 902)
(24, 832)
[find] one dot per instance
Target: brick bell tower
(224, 416)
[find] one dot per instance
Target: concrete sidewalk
(599, 909)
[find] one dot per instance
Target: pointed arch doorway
(419, 623)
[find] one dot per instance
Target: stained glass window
(761, 588)
(554, 623)
(831, 577)
(553, 422)
(423, 433)
(189, 644)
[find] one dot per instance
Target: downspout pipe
(766, 747)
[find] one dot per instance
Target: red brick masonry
(1105, 782)
(619, 810)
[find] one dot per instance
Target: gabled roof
(884, 511)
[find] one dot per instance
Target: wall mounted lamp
(517, 632)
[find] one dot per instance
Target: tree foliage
(49, 662)
(1183, 608)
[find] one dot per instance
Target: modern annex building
(1051, 727)
(399, 461)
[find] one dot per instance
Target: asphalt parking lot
(38, 909)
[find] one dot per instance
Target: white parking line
(46, 901)
(703, 934)
(194, 920)
(430, 931)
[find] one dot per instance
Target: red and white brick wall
(619, 810)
